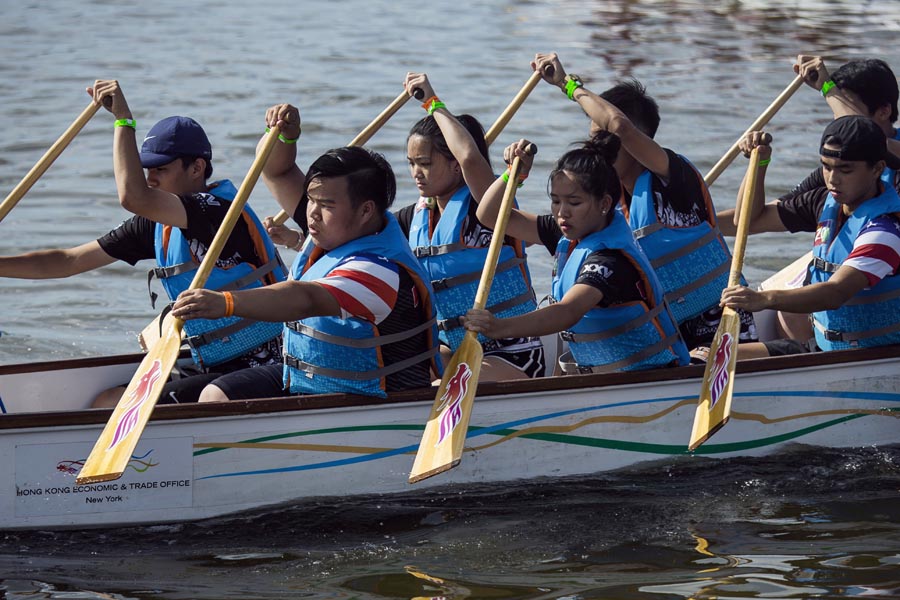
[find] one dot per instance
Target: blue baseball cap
(174, 137)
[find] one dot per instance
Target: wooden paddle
(714, 406)
(47, 159)
(113, 449)
(511, 109)
(370, 130)
(445, 433)
(758, 124)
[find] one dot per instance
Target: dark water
(811, 524)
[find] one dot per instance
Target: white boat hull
(195, 462)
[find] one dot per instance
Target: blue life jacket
(692, 263)
(622, 337)
(454, 269)
(871, 317)
(214, 341)
(332, 354)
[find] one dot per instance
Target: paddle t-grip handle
(418, 94)
(766, 139)
(531, 149)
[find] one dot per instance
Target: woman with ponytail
(448, 161)
(606, 301)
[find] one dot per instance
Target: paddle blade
(445, 433)
(114, 447)
(714, 406)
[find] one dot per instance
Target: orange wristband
(428, 102)
(229, 304)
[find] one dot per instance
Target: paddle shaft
(497, 237)
(366, 134)
(743, 228)
(759, 123)
(510, 110)
(47, 159)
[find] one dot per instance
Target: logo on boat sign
(451, 401)
(139, 463)
(719, 372)
(140, 394)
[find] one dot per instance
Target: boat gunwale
(173, 412)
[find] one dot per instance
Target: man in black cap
(852, 289)
(177, 214)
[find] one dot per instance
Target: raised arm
(52, 264)
(135, 195)
(606, 116)
(522, 225)
(475, 168)
(281, 174)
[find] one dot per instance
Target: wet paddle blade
(445, 432)
(714, 407)
(116, 444)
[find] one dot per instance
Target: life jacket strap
(833, 335)
(254, 275)
(454, 323)
(203, 339)
(824, 265)
(648, 230)
(569, 367)
(449, 282)
(300, 365)
(427, 251)
(568, 336)
(677, 296)
(686, 249)
(163, 273)
(368, 342)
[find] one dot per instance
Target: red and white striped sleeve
(364, 286)
(876, 250)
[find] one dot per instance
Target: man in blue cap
(177, 214)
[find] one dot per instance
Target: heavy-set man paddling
(358, 311)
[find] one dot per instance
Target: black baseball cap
(858, 138)
(174, 137)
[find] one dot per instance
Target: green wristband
(283, 139)
(505, 178)
(765, 162)
(573, 82)
(435, 105)
(827, 86)
(125, 123)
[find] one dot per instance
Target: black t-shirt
(609, 271)
(406, 310)
(134, 239)
(801, 212)
(679, 201)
